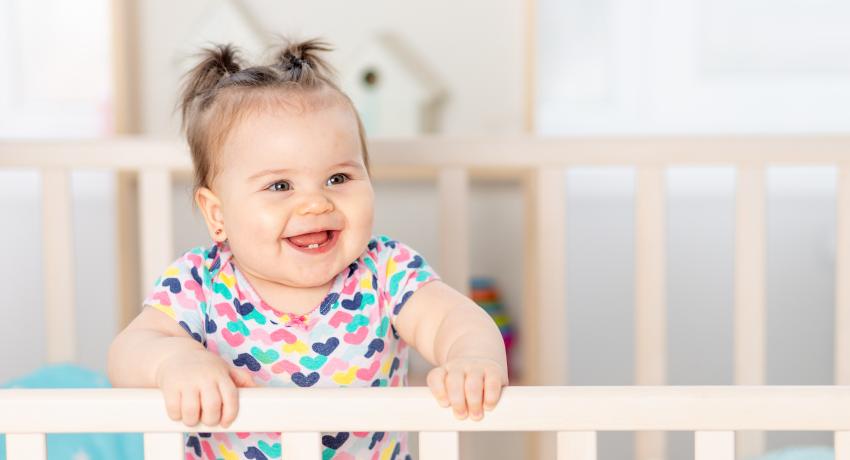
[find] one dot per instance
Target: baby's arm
(458, 336)
(154, 351)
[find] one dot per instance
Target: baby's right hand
(200, 386)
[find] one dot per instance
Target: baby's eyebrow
(271, 172)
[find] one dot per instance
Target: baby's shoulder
(201, 262)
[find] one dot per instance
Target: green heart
(423, 275)
(382, 329)
(265, 357)
(313, 363)
(356, 322)
(256, 316)
(395, 280)
(368, 299)
(238, 326)
(370, 264)
(222, 289)
(328, 454)
(272, 451)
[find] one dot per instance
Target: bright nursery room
(586, 229)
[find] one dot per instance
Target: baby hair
(221, 90)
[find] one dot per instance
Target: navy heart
(326, 348)
(394, 366)
(374, 282)
(372, 245)
(389, 244)
(404, 298)
(194, 335)
(376, 345)
(351, 269)
(245, 359)
(354, 303)
(334, 442)
(330, 299)
(376, 383)
(254, 453)
(215, 264)
(195, 444)
(395, 451)
(210, 326)
(244, 309)
(415, 263)
(375, 438)
(173, 285)
(197, 277)
(205, 435)
(212, 252)
(395, 333)
(305, 380)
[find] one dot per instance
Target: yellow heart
(165, 309)
(366, 283)
(385, 369)
(297, 347)
(172, 270)
(345, 378)
(228, 454)
(388, 451)
(228, 280)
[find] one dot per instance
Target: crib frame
(540, 168)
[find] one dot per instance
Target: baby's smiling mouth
(313, 240)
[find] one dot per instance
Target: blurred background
(100, 68)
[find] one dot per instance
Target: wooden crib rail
(575, 413)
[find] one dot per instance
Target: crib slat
(301, 446)
(165, 446)
(650, 301)
(576, 445)
(453, 188)
(842, 445)
(155, 224)
(750, 290)
(842, 278)
(439, 445)
(57, 254)
(714, 445)
(29, 446)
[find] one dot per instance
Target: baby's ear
(210, 207)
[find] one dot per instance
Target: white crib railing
(576, 414)
(540, 166)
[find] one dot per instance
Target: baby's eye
(338, 178)
(284, 186)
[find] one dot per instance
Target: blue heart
(196, 276)
(415, 263)
(394, 366)
(254, 453)
(194, 335)
(245, 359)
(334, 442)
(195, 444)
(205, 435)
(305, 380)
(210, 326)
(244, 309)
(403, 301)
(396, 451)
(173, 285)
(374, 282)
(326, 348)
(354, 303)
(390, 244)
(375, 438)
(212, 252)
(216, 264)
(328, 302)
(372, 245)
(376, 345)
(351, 269)
(376, 383)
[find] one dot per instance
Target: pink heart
(193, 286)
(349, 288)
(226, 309)
(283, 334)
(403, 254)
(233, 339)
(357, 337)
(262, 335)
(338, 317)
(285, 366)
(367, 374)
(162, 298)
(334, 365)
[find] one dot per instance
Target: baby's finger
(172, 404)
(190, 407)
(474, 389)
(492, 390)
(211, 405)
(437, 383)
(241, 377)
(229, 403)
(457, 398)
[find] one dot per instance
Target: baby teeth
(313, 246)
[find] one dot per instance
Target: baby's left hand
(464, 383)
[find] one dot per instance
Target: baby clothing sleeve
(179, 293)
(405, 271)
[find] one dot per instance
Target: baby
(294, 289)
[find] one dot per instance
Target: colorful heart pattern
(348, 339)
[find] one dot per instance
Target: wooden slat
(842, 445)
(28, 446)
(650, 299)
(750, 321)
(576, 445)
(842, 277)
(155, 225)
(714, 445)
(439, 445)
(301, 445)
(453, 189)
(57, 254)
(165, 446)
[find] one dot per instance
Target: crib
(562, 421)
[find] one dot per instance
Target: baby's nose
(316, 204)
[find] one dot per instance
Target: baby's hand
(461, 383)
(200, 386)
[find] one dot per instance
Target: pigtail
(217, 63)
(299, 62)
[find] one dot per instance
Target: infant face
(296, 200)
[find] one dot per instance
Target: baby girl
(294, 290)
